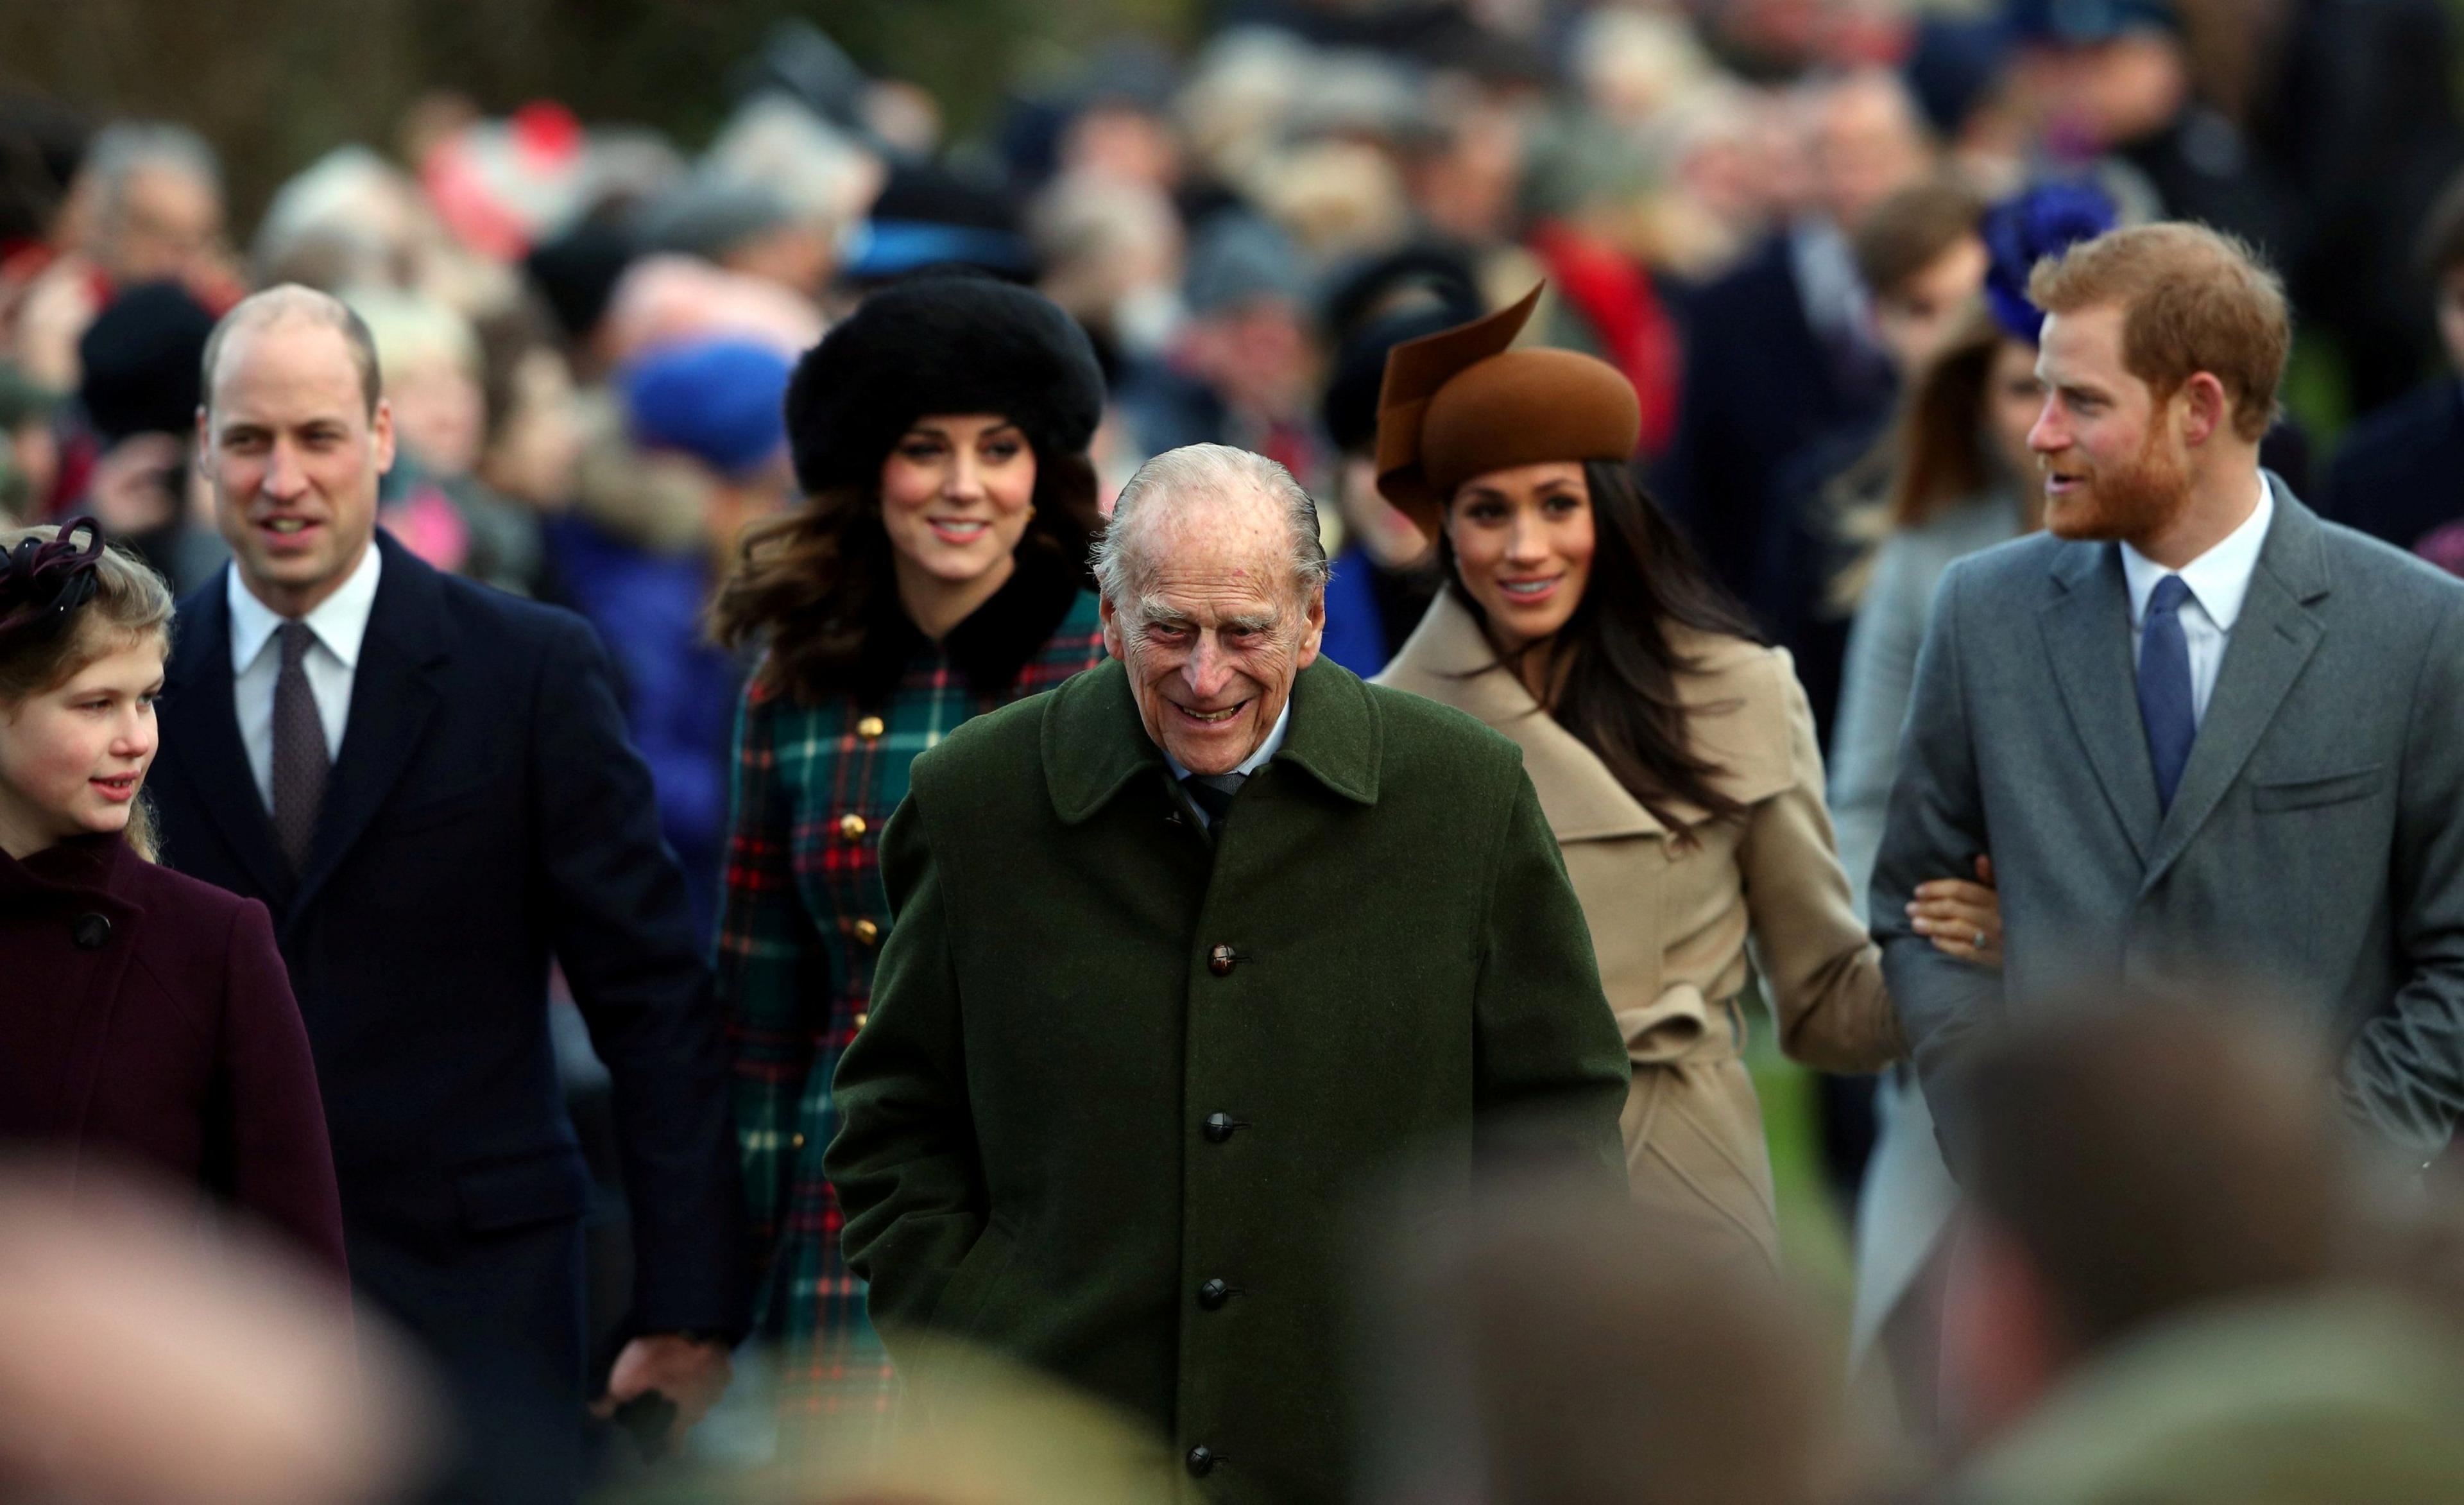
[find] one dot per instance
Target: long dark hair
(1614, 670)
(812, 584)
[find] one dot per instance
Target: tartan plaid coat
(802, 921)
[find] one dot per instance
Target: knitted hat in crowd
(1459, 404)
(716, 400)
(2045, 220)
(140, 362)
(940, 342)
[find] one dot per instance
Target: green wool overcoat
(1125, 1078)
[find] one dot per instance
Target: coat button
(1200, 1461)
(852, 827)
(869, 728)
(798, 1141)
(861, 1020)
(1213, 1294)
(1220, 961)
(90, 932)
(1220, 1127)
(867, 933)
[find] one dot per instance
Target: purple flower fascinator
(2042, 221)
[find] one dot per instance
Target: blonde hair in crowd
(130, 604)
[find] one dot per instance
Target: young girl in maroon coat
(147, 1021)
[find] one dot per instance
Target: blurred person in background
(432, 500)
(1782, 350)
(1519, 1349)
(2249, 756)
(1920, 259)
(1672, 752)
(1382, 579)
(143, 1362)
(934, 572)
(1962, 479)
(138, 392)
(29, 451)
(430, 784)
(146, 206)
(148, 1021)
(2131, 1159)
(645, 578)
(1188, 895)
(1242, 369)
(2398, 474)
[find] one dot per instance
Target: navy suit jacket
(2400, 473)
(485, 814)
(1760, 386)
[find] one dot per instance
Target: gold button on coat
(851, 828)
(867, 932)
(869, 728)
(860, 1019)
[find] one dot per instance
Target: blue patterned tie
(2164, 687)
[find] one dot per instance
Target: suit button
(869, 728)
(861, 1020)
(852, 827)
(1220, 1127)
(90, 932)
(1213, 1294)
(1220, 961)
(1200, 1461)
(867, 933)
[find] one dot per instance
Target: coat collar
(1735, 717)
(84, 868)
(1094, 745)
(989, 647)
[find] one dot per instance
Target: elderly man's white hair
(1217, 470)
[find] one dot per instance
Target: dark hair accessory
(43, 581)
(2042, 221)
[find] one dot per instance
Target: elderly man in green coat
(1189, 954)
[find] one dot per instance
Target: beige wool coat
(1679, 926)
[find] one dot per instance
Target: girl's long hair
(1612, 667)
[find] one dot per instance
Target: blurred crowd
(1801, 228)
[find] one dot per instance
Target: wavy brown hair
(1938, 440)
(809, 586)
(130, 605)
(1615, 670)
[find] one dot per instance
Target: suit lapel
(2272, 640)
(2087, 636)
(393, 696)
(203, 723)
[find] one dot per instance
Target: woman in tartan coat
(935, 572)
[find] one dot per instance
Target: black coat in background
(2398, 474)
(485, 814)
(1760, 386)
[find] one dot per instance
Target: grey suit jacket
(2316, 842)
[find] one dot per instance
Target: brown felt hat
(1459, 404)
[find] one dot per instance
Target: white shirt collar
(1257, 760)
(2219, 579)
(340, 621)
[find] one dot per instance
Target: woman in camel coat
(1672, 752)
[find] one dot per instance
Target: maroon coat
(146, 1018)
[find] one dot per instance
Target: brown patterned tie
(300, 761)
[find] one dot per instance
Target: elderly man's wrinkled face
(1217, 629)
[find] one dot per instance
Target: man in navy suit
(428, 784)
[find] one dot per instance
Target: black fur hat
(940, 343)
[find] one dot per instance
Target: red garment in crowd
(1613, 293)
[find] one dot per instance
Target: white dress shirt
(2218, 580)
(1254, 761)
(339, 622)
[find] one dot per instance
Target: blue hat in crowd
(2085, 23)
(2044, 221)
(721, 401)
